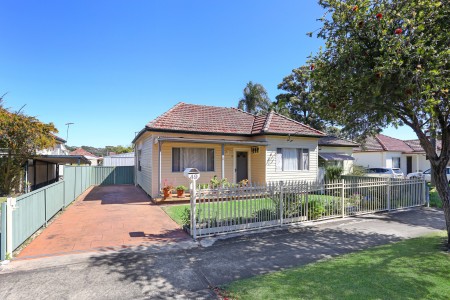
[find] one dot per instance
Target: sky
(110, 67)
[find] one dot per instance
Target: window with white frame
(292, 159)
(396, 162)
(200, 158)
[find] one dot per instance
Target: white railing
(231, 209)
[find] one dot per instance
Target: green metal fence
(33, 210)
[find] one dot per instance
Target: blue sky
(112, 66)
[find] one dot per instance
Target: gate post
(3, 235)
(343, 197)
(10, 203)
(193, 227)
(388, 193)
(425, 194)
(281, 202)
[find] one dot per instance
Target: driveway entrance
(106, 217)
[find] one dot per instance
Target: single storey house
(388, 152)
(337, 152)
(224, 142)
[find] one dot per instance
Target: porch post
(159, 165)
(223, 161)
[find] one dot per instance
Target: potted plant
(180, 191)
(167, 189)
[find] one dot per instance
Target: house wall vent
(255, 150)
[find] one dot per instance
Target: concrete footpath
(187, 270)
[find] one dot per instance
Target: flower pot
(167, 193)
(180, 193)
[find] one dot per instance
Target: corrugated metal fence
(232, 209)
(33, 210)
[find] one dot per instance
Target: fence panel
(231, 209)
(54, 199)
(28, 217)
(124, 175)
(69, 187)
(103, 175)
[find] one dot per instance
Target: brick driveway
(105, 217)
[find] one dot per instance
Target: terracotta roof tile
(223, 120)
(382, 142)
(280, 124)
(81, 151)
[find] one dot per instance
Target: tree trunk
(443, 189)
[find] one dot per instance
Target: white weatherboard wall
(144, 176)
(370, 159)
(298, 142)
(348, 164)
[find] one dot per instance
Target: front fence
(233, 209)
(33, 210)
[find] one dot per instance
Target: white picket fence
(231, 209)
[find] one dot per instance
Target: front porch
(224, 159)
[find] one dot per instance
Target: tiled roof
(226, 120)
(414, 145)
(81, 151)
(335, 141)
(382, 142)
(279, 124)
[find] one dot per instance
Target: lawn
(232, 209)
(412, 269)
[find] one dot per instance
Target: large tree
(387, 62)
(299, 98)
(255, 99)
(20, 137)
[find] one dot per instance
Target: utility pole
(67, 134)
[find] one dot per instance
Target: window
(396, 162)
(292, 159)
(200, 158)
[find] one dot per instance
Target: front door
(408, 164)
(241, 165)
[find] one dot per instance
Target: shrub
(333, 172)
(265, 214)
(358, 171)
(315, 209)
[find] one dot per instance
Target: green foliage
(316, 209)
(265, 214)
(255, 99)
(20, 137)
(388, 63)
(333, 172)
(215, 182)
(299, 99)
(186, 216)
(358, 171)
(181, 188)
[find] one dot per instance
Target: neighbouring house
(46, 167)
(226, 142)
(334, 151)
(123, 159)
(388, 152)
(93, 159)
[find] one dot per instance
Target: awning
(335, 156)
(211, 141)
(63, 159)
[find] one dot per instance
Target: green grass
(221, 209)
(412, 269)
(235, 208)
